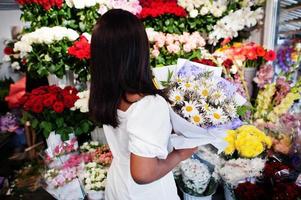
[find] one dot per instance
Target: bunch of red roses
(50, 97)
(276, 184)
(46, 4)
(157, 9)
(80, 48)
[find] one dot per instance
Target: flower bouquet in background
(80, 50)
(167, 17)
(64, 183)
(244, 155)
(288, 59)
(102, 155)
(48, 109)
(46, 13)
(195, 179)
(94, 180)
(247, 142)
(278, 181)
(46, 52)
(203, 107)
(241, 61)
(166, 48)
(17, 64)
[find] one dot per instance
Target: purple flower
(8, 123)
(264, 75)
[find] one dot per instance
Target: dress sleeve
(149, 128)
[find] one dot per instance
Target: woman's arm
(146, 170)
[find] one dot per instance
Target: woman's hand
(185, 153)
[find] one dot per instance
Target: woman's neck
(130, 99)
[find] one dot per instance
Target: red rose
(228, 64)
(8, 50)
(54, 89)
(260, 51)
(69, 101)
(70, 90)
(270, 55)
(49, 100)
(58, 107)
(37, 107)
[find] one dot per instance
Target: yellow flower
(264, 99)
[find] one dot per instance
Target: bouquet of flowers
(102, 155)
(41, 13)
(195, 179)
(203, 103)
(247, 141)
(90, 146)
(167, 17)
(94, 177)
(167, 48)
(278, 181)
(81, 51)
(48, 108)
(45, 51)
(10, 56)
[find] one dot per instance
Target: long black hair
(119, 64)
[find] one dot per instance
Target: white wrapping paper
(189, 135)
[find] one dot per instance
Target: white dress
(144, 130)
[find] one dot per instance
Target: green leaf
(59, 122)
(34, 123)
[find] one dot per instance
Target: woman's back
(144, 130)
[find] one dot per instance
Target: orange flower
(260, 51)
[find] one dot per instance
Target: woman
(135, 117)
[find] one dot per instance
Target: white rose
(15, 66)
(69, 3)
(79, 4)
(204, 10)
(102, 9)
(87, 36)
(90, 3)
(194, 13)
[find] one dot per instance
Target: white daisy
(217, 116)
(187, 85)
(176, 96)
(204, 92)
(190, 108)
(217, 97)
(197, 119)
(231, 109)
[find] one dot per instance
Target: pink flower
(264, 75)
(187, 47)
(155, 53)
(282, 89)
(173, 48)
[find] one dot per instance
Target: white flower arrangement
(204, 7)
(195, 175)
(236, 170)
(80, 4)
(204, 101)
(90, 146)
(94, 177)
(230, 25)
(83, 102)
(44, 35)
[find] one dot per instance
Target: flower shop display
(195, 180)
(90, 146)
(94, 180)
(288, 58)
(45, 51)
(278, 181)
(167, 48)
(48, 108)
(247, 142)
(231, 24)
